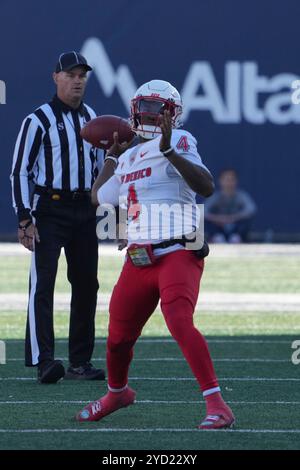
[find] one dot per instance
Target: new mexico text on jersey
(160, 203)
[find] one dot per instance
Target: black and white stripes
(50, 151)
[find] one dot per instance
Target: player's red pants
(175, 279)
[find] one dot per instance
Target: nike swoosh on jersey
(144, 153)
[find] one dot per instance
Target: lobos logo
(248, 95)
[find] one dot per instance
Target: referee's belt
(61, 194)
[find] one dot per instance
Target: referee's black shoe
(50, 372)
(84, 372)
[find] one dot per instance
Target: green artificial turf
(251, 351)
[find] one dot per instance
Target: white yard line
(145, 402)
(145, 340)
(245, 250)
(129, 430)
(183, 379)
(174, 359)
(222, 379)
(211, 301)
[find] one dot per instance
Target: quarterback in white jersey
(152, 187)
(163, 169)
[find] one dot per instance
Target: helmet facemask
(146, 112)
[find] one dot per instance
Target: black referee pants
(70, 224)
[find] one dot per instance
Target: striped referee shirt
(50, 152)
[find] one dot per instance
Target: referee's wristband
(168, 151)
(112, 158)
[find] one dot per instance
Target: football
(99, 131)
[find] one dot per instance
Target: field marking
(217, 250)
(227, 302)
(222, 379)
(174, 359)
(184, 379)
(170, 340)
(104, 430)
(147, 402)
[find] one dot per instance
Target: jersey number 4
(182, 144)
(134, 208)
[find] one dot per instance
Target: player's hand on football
(166, 131)
(118, 148)
(28, 236)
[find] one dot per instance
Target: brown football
(99, 131)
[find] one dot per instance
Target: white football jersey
(160, 203)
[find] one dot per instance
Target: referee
(51, 153)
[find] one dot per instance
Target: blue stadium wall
(234, 61)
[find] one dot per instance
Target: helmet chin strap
(148, 132)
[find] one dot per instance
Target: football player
(163, 168)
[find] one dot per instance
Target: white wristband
(168, 151)
(110, 157)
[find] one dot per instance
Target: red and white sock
(214, 400)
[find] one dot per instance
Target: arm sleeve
(110, 191)
(25, 155)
